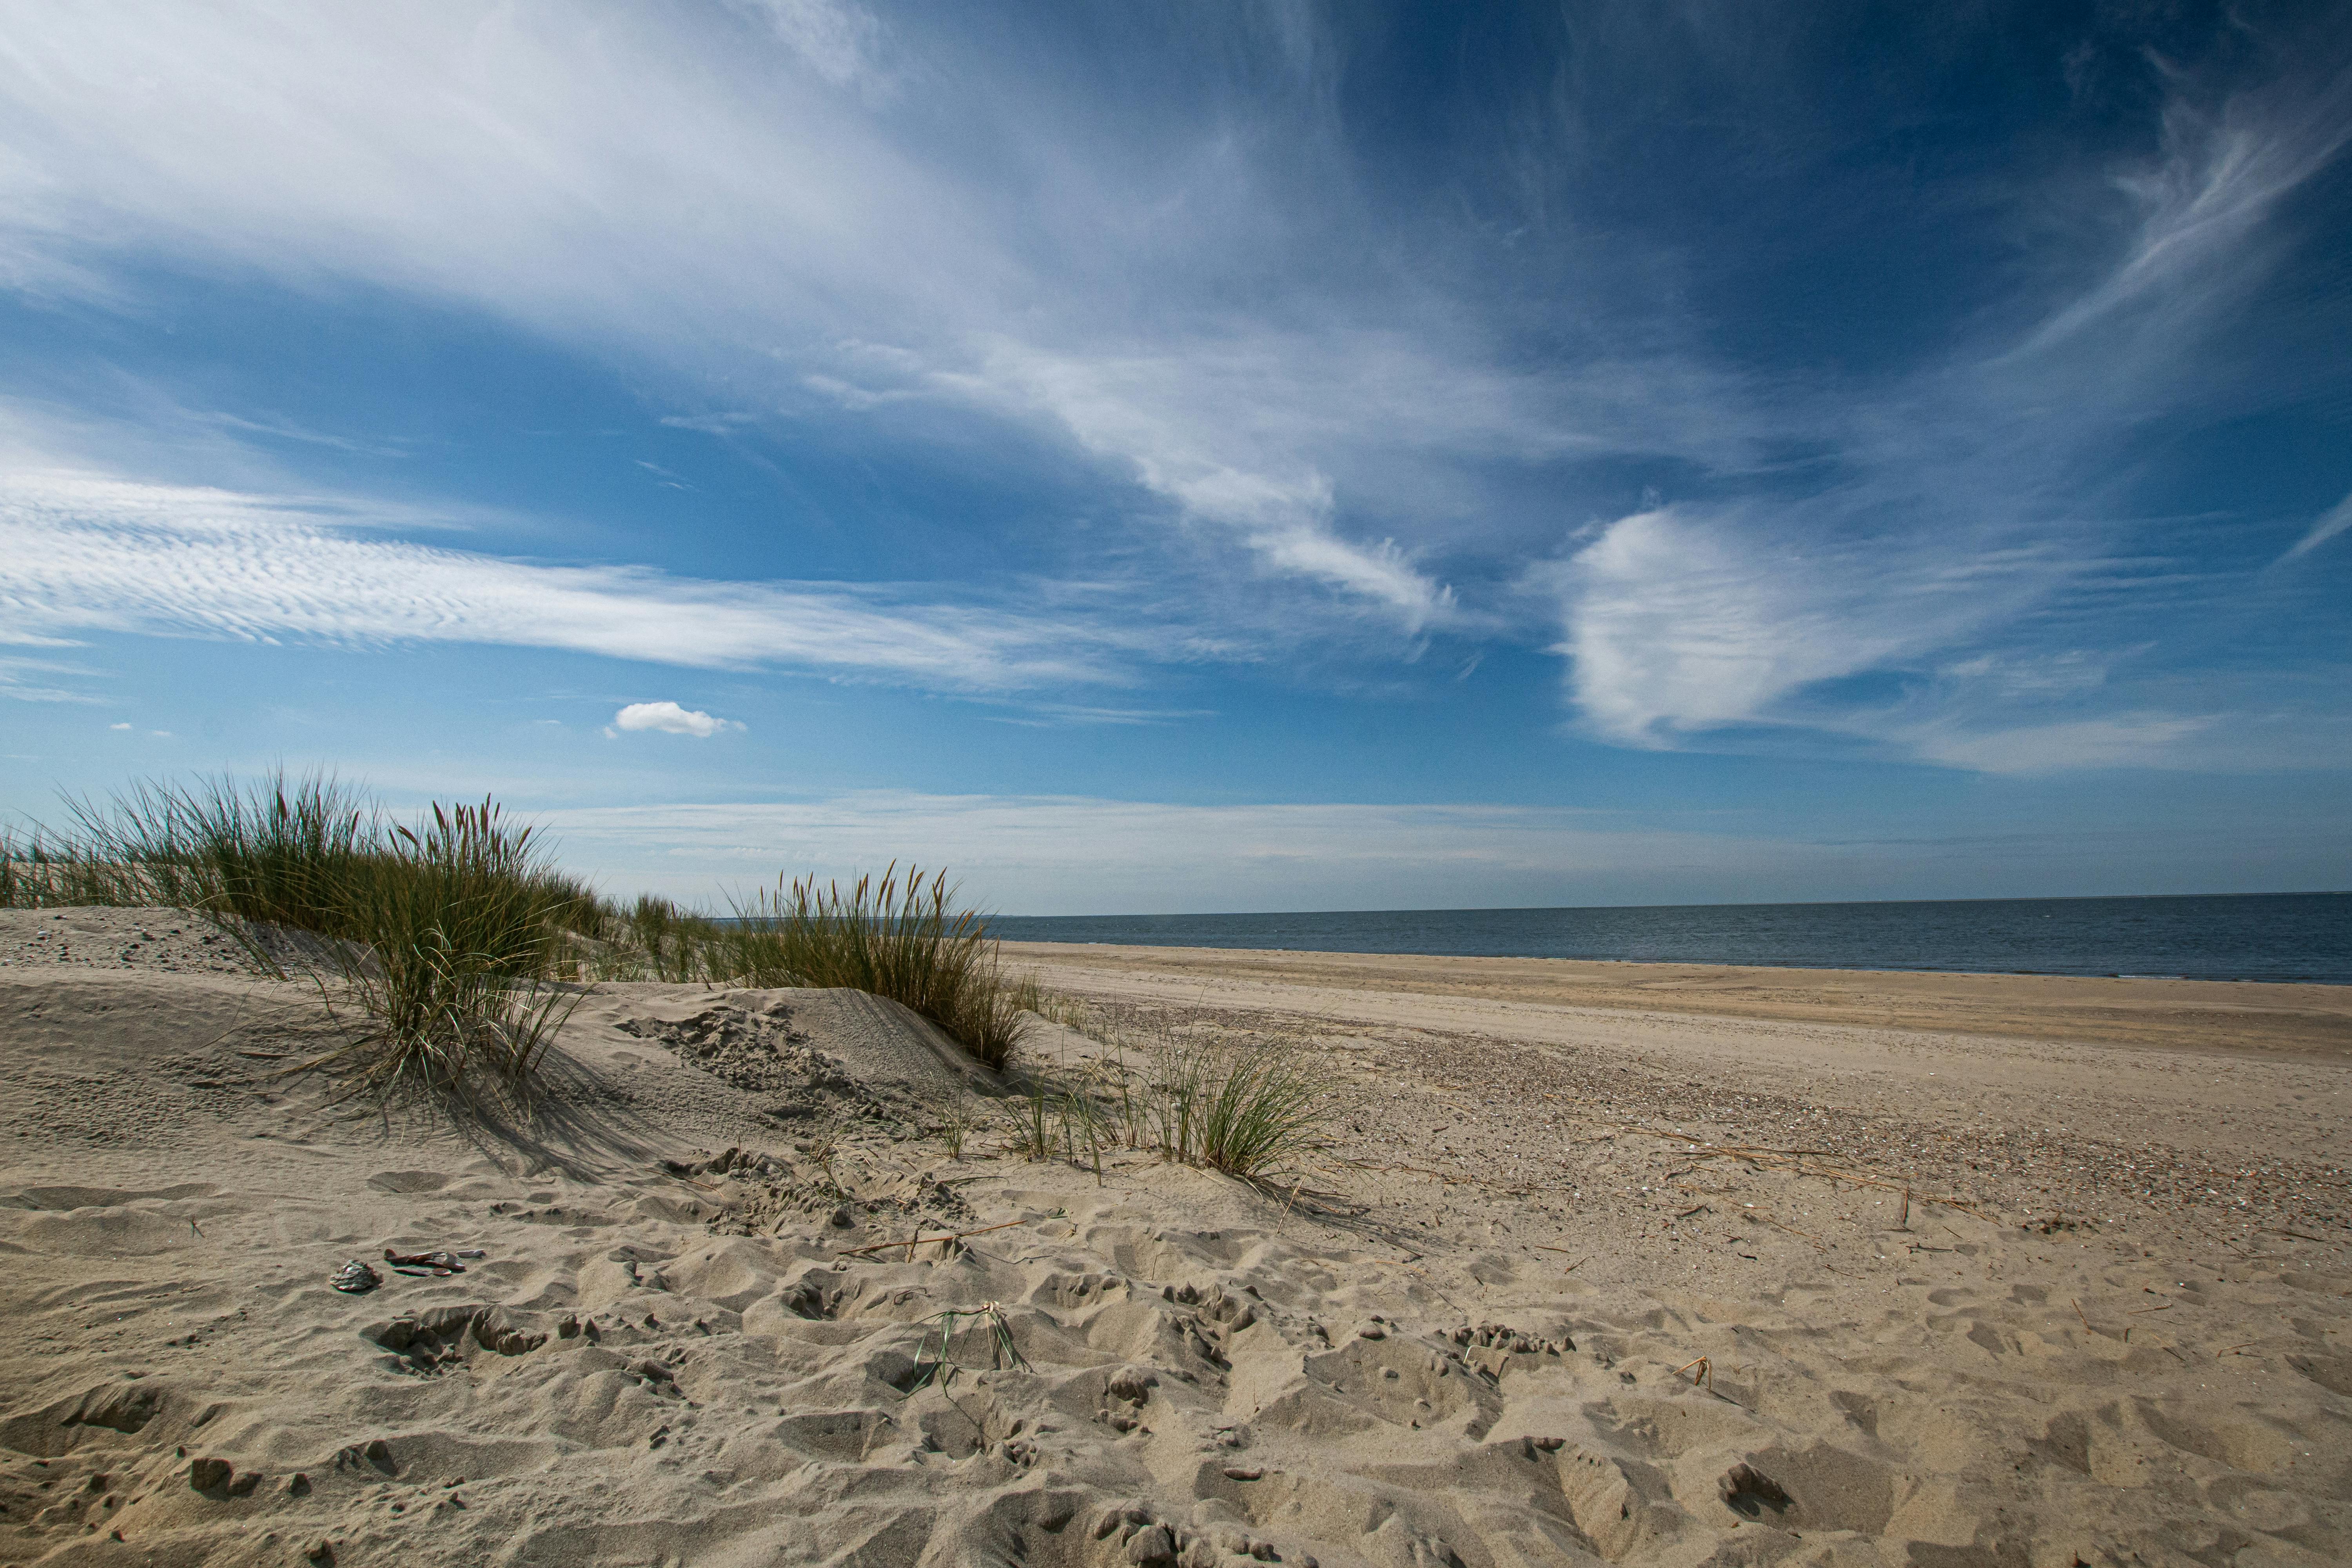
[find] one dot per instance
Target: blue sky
(1204, 457)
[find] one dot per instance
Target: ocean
(2253, 936)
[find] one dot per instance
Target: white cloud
(2337, 519)
(118, 726)
(670, 720)
(30, 679)
(82, 552)
(1681, 621)
(2137, 740)
(1963, 531)
(726, 423)
(640, 186)
(2222, 172)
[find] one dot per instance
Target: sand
(1587, 1277)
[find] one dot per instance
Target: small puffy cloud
(118, 726)
(670, 720)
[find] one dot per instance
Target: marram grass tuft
(903, 941)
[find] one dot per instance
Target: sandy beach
(1603, 1263)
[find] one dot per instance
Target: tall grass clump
(440, 938)
(900, 940)
(445, 938)
(277, 851)
(450, 935)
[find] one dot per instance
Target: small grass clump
(900, 940)
(1252, 1107)
(1242, 1109)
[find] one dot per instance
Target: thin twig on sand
(923, 1240)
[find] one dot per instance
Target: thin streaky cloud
(2334, 521)
(2224, 173)
(1081, 855)
(840, 41)
(83, 552)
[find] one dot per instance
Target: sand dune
(1474, 1337)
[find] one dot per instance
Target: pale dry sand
(1469, 1338)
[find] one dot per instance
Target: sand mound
(809, 1051)
(699, 1333)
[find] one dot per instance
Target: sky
(1203, 457)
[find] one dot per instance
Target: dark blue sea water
(2255, 936)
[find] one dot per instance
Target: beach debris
(437, 1265)
(355, 1278)
(1503, 1337)
(1748, 1491)
(1701, 1370)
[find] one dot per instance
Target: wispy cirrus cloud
(467, 155)
(82, 552)
(1194, 279)
(2224, 168)
(1685, 620)
(1140, 853)
(840, 40)
(40, 679)
(2335, 520)
(1975, 510)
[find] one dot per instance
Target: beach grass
(900, 938)
(446, 935)
(1242, 1109)
(449, 937)
(42, 871)
(1252, 1107)
(277, 851)
(672, 943)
